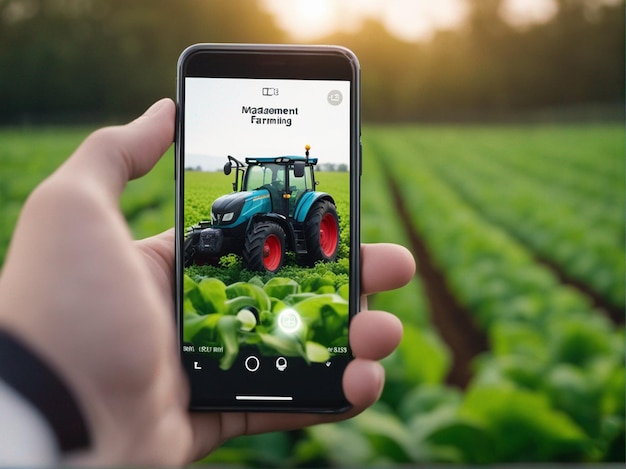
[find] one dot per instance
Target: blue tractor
(274, 208)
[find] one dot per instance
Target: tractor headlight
(228, 216)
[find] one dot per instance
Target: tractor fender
(307, 201)
(281, 221)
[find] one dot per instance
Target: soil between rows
(453, 322)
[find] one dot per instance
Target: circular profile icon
(334, 97)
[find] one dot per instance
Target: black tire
(264, 247)
(189, 246)
(321, 246)
(189, 249)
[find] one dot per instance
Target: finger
(374, 334)
(363, 382)
(112, 156)
(159, 253)
(385, 267)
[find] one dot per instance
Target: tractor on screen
(274, 208)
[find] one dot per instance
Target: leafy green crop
(217, 315)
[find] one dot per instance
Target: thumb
(112, 156)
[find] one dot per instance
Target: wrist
(37, 383)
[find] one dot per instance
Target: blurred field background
(493, 148)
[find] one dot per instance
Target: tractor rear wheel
(321, 230)
(264, 247)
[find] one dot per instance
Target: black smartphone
(267, 224)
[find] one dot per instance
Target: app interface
(266, 210)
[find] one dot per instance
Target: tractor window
(258, 176)
(298, 186)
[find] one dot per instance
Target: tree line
(77, 60)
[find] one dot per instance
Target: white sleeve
(26, 439)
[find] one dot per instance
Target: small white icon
(289, 321)
(281, 363)
(196, 366)
(269, 91)
(252, 363)
(328, 364)
(334, 97)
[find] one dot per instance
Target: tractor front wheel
(264, 247)
(321, 230)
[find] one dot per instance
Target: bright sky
(410, 20)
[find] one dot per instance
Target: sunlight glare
(409, 20)
(525, 12)
(304, 19)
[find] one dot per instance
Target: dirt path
(453, 322)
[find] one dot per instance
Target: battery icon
(270, 91)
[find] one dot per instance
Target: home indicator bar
(264, 398)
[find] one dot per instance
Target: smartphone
(268, 164)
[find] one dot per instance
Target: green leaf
(297, 298)
(261, 300)
(213, 296)
(280, 287)
(326, 315)
(573, 392)
(389, 436)
(519, 339)
(580, 340)
(525, 424)
(344, 291)
(227, 328)
(427, 398)
(424, 357)
(188, 308)
(316, 352)
(470, 441)
(317, 284)
(193, 325)
(342, 444)
(191, 295)
(315, 307)
(257, 281)
(287, 345)
(234, 305)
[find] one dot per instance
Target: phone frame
(273, 62)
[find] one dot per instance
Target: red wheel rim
(272, 252)
(329, 235)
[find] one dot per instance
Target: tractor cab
(285, 178)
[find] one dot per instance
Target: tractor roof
(279, 159)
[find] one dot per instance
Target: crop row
(596, 189)
(557, 154)
(582, 237)
(555, 370)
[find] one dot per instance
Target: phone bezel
(301, 62)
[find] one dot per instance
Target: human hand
(98, 307)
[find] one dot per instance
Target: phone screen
(267, 218)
